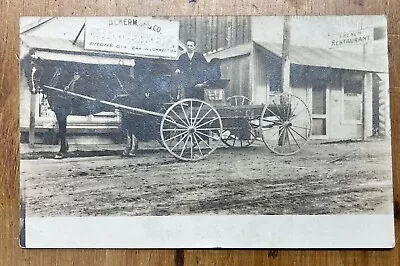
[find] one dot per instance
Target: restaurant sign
(362, 36)
(141, 36)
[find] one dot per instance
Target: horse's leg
(135, 146)
(62, 133)
(131, 145)
(128, 144)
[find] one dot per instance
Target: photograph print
(202, 132)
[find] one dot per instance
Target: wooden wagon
(191, 129)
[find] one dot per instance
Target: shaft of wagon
(116, 105)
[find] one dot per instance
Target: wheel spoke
(176, 136)
(191, 113)
(174, 129)
(179, 142)
(294, 138)
(272, 121)
(175, 123)
(183, 110)
(294, 109)
(299, 134)
(205, 129)
(280, 134)
(306, 128)
(284, 136)
(205, 123)
(172, 110)
(288, 109)
(296, 116)
(288, 137)
(252, 133)
(203, 117)
(274, 114)
(277, 108)
(208, 136)
(184, 145)
(191, 147)
(197, 114)
(198, 145)
(202, 140)
(274, 134)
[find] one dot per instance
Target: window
(352, 99)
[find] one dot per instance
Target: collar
(190, 55)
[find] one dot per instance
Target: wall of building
(303, 79)
(236, 69)
(215, 32)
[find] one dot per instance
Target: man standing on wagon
(191, 68)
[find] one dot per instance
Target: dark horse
(144, 88)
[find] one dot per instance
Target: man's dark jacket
(193, 70)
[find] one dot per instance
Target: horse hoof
(128, 154)
(59, 156)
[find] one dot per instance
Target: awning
(312, 56)
(62, 49)
(83, 58)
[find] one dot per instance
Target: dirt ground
(335, 178)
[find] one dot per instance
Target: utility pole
(285, 75)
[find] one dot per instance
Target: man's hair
(191, 40)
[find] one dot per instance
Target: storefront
(347, 95)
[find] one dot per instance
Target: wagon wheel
(243, 133)
(189, 129)
(285, 124)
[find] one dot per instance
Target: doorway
(319, 109)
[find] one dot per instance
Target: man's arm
(180, 63)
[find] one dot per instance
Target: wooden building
(346, 92)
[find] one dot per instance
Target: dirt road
(338, 178)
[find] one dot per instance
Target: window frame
(352, 77)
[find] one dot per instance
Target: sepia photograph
(204, 132)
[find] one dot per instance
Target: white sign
(362, 36)
(134, 35)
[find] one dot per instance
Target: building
(347, 93)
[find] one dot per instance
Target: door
(319, 110)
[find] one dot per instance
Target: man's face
(190, 46)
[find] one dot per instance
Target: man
(191, 69)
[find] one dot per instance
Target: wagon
(191, 129)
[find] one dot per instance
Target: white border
(278, 231)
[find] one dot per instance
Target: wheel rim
(189, 129)
(242, 132)
(285, 124)
(238, 100)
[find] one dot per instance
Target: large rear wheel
(285, 124)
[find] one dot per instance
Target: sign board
(362, 36)
(141, 36)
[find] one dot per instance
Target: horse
(113, 83)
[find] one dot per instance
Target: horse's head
(34, 78)
(33, 71)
